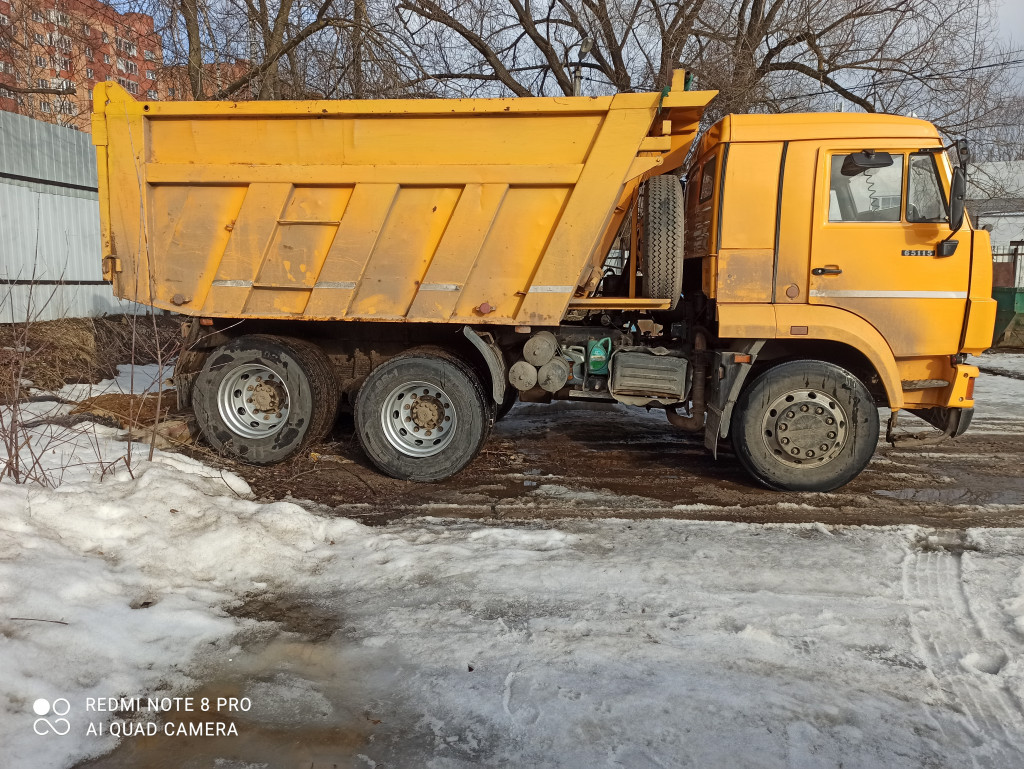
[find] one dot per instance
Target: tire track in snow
(965, 664)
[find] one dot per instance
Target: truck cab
(830, 237)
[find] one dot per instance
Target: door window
(925, 201)
(873, 195)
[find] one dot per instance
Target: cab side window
(925, 201)
(872, 195)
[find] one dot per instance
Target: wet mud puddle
(305, 700)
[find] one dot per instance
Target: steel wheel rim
(805, 427)
(253, 401)
(418, 419)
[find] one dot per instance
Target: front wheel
(422, 416)
(805, 426)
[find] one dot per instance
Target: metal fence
(50, 260)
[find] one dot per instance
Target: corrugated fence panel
(50, 260)
(37, 150)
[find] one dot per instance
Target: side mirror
(858, 162)
(957, 194)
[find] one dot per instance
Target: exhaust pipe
(694, 423)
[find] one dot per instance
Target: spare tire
(661, 252)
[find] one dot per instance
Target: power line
(867, 86)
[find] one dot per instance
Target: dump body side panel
(475, 211)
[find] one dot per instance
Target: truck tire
(661, 258)
(261, 398)
(422, 415)
(805, 426)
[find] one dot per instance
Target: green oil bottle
(598, 352)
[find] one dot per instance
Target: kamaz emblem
(917, 252)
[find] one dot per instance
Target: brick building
(74, 44)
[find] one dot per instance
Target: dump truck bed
(468, 210)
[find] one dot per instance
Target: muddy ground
(602, 460)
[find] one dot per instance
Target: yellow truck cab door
(875, 245)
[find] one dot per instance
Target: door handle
(830, 270)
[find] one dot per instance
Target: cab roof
(802, 126)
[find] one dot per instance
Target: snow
(451, 643)
(129, 379)
(1003, 363)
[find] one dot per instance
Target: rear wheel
(662, 253)
(805, 426)
(262, 398)
(422, 416)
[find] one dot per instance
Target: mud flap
(492, 356)
(950, 423)
(727, 378)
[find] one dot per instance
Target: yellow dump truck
(426, 263)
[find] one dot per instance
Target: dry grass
(53, 353)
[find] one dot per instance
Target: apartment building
(70, 45)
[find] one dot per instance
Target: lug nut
(831, 436)
(790, 414)
(783, 426)
(810, 453)
(823, 447)
(805, 408)
(794, 451)
(784, 441)
(830, 421)
(819, 410)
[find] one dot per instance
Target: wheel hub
(253, 401)
(418, 419)
(426, 411)
(805, 427)
(266, 397)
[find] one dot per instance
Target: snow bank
(458, 643)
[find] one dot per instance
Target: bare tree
(522, 48)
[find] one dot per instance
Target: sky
(1011, 21)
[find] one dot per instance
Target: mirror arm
(947, 247)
